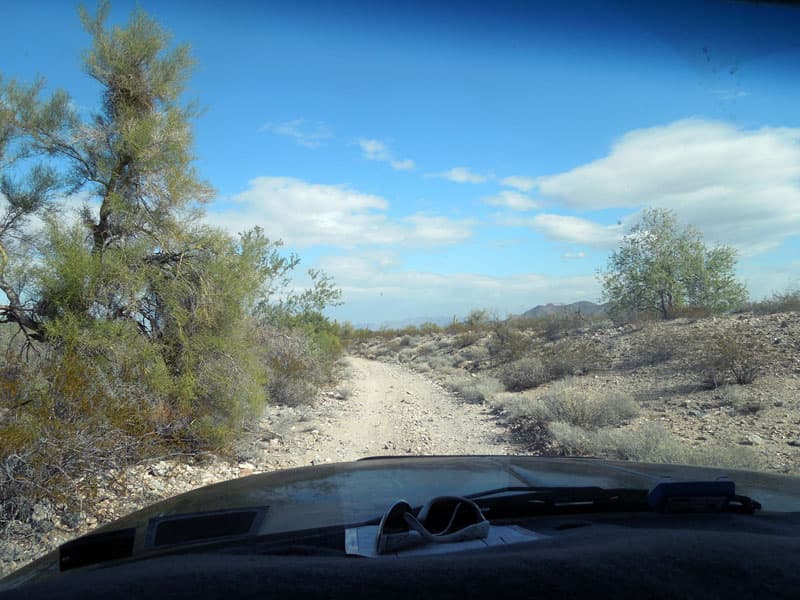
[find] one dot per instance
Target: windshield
(238, 239)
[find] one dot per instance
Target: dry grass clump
(566, 401)
(524, 374)
(474, 390)
(649, 442)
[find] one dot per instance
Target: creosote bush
(507, 344)
(524, 374)
(731, 355)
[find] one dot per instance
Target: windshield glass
(240, 238)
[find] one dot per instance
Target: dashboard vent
(201, 527)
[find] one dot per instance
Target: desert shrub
(73, 412)
(554, 327)
(297, 365)
(430, 329)
(474, 390)
(438, 363)
(630, 316)
(567, 402)
(733, 354)
(570, 357)
(654, 347)
(462, 340)
(524, 374)
(788, 301)
(426, 348)
(690, 312)
(475, 353)
(507, 343)
(422, 367)
(649, 442)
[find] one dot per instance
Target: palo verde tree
(660, 267)
(138, 285)
(28, 186)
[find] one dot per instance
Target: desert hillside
(717, 390)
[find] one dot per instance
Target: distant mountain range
(585, 307)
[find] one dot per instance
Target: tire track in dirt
(391, 411)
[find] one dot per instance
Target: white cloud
(380, 151)
(512, 200)
(311, 134)
(739, 187)
(375, 150)
(574, 230)
(402, 165)
(305, 214)
(461, 175)
(573, 255)
(519, 182)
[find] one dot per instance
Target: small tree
(660, 268)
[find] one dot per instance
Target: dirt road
(389, 411)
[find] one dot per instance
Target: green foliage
(151, 321)
(661, 268)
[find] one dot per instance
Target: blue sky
(438, 157)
